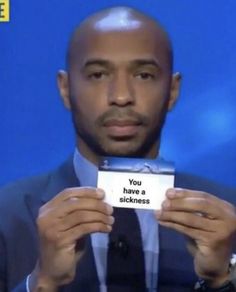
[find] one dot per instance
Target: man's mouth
(119, 128)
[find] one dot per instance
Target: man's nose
(121, 91)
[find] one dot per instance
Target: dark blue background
(36, 132)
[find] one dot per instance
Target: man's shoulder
(13, 194)
(198, 183)
(36, 186)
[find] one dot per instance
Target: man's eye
(145, 76)
(97, 75)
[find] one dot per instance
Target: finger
(178, 193)
(78, 192)
(195, 205)
(195, 234)
(192, 220)
(76, 233)
(82, 217)
(183, 193)
(57, 217)
(63, 208)
(197, 202)
(88, 204)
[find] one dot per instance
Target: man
(54, 229)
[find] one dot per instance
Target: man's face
(119, 87)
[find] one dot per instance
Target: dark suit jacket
(19, 204)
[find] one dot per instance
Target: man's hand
(63, 224)
(210, 225)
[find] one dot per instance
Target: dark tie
(125, 258)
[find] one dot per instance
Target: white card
(135, 190)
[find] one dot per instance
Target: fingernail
(100, 193)
(109, 228)
(166, 204)
(111, 220)
(171, 193)
(109, 209)
(158, 213)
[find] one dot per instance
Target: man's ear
(175, 89)
(63, 85)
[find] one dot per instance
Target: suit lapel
(64, 177)
(175, 262)
(50, 185)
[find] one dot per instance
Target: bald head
(119, 85)
(117, 20)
